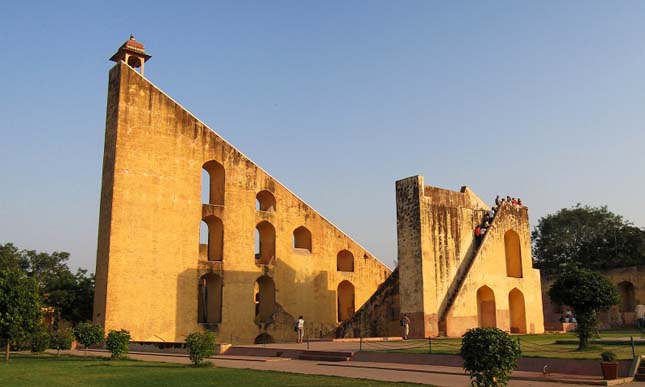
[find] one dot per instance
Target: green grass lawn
(52, 371)
(532, 346)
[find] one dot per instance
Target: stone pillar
(409, 193)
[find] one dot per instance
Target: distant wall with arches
(630, 284)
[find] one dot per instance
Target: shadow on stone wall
(240, 322)
(379, 316)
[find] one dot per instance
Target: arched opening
(517, 311)
(215, 238)
(203, 240)
(264, 298)
(345, 261)
(345, 300)
(486, 310)
(302, 239)
(264, 242)
(264, 338)
(213, 182)
(265, 201)
(134, 61)
(513, 252)
(627, 297)
(209, 308)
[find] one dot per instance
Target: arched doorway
(345, 300)
(486, 309)
(517, 310)
(513, 251)
(209, 308)
(264, 299)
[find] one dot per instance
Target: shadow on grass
(134, 364)
(52, 358)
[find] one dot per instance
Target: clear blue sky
(337, 100)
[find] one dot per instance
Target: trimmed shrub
(39, 340)
(608, 356)
(88, 334)
(490, 355)
(61, 340)
(117, 343)
(200, 346)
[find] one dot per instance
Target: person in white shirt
(300, 329)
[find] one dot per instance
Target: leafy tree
(46, 268)
(587, 293)
(593, 237)
(200, 346)
(61, 340)
(12, 259)
(39, 339)
(70, 294)
(117, 343)
(88, 334)
(490, 355)
(19, 307)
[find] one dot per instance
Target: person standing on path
(405, 326)
(300, 329)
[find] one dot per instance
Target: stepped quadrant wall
(435, 238)
(150, 262)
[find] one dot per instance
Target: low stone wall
(161, 347)
(530, 364)
(559, 327)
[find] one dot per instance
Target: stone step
(328, 353)
(292, 353)
(314, 357)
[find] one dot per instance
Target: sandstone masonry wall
(148, 260)
(441, 264)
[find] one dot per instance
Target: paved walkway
(425, 374)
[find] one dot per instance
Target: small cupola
(132, 53)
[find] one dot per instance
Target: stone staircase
(460, 277)
(640, 373)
